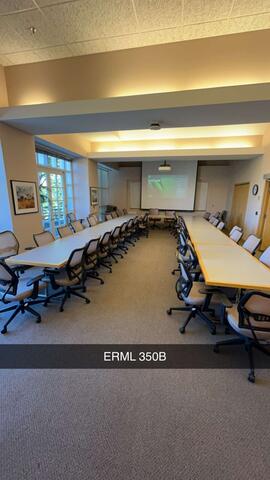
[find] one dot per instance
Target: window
(55, 189)
(103, 189)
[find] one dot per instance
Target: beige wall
(118, 185)
(219, 185)
(3, 88)
(226, 60)
(20, 164)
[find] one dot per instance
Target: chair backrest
(184, 282)
(105, 239)
(9, 244)
(182, 243)
(115, 233)
(114, 214)
(235, 228)
(8, 281)
(169, 213)
(119, 212)
(236, 235)
(220, 225)
(254, 312)
(206, 215)
(265, 257)
(76, 226)
(212, 219)
(193, 259)
(215, 222)
(125, 211)
(92, 247)
(64, 231)
(108, 216)
(74, 265)
(251, 244)
(70, 217)
(154, 211)
(92, 220)
(43, 238)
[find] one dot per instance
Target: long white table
(223, 262)
(56, 254)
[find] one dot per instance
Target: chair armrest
(30, 248)
(51, 271)
(223, 299)
(34, 280)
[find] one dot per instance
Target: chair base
(194, 311)
(66, 293)
(21, 308)
(249, 344)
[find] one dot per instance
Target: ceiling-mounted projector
(155, 126)
(164, 167)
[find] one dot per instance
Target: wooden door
(239, 204)
(266, 218)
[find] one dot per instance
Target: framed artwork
(94, 196)
(24, 197)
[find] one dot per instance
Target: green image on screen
(167, 185)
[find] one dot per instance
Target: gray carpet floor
(134, 424)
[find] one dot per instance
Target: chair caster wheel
(251, 378)
(213, 331)
(169, 312)
(173, 272)
(61, 309)
(38, 320)
(4, 331)
(216, 349)
(101, 283)
(87, 301)
(182, 330)
(84, 289)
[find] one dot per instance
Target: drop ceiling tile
(247, 7)
(202, 30)
(143, 39)
(86, 48)
(10, 41)
(90, 19)
(45, 3)
(196, 11)
(23, 57)
(157, 14)
(8, 6)
(46, 34)
(250, 23)
(52, 53)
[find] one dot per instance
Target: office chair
(265, 257)
(91, 219)
(236, 235)
(9, 245)
(212, 219)
(190, 260)
(235, 228)
(250, 320)
(70, 217)
(104, 251)
(215, 222)
(76, 226)
(206, 215)
(125, 211)
(220, 225)
(119, 212)
(68, 279)
(43, 238)
(251, 244)
(64, 231)
(114, 214)
(143, 225)
(19, 291)
(91, 260)
(197, 298)
(108, 216)
(154, 212)
(114, 244)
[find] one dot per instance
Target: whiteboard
(201, 196)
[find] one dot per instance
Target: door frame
(266, 195)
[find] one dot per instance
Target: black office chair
(114, 245)
(197, 299)
(68, 280)
(19, 291)
(250, 320)
(43, 238)
(91, 260)
(104, 252)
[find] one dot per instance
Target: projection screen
(174, 190)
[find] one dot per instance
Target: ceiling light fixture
(164, 167)
(33, 30)
(155, 126)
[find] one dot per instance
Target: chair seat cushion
(233, 320)
(195, 297)
(24, 291)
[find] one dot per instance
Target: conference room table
(56, 254)
(222, 261)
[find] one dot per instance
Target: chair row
(249, 318)
(20, 291)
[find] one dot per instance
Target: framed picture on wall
(24, 197)
(94, 196)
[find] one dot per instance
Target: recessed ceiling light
(33, 30)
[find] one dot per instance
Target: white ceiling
(68, 28)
